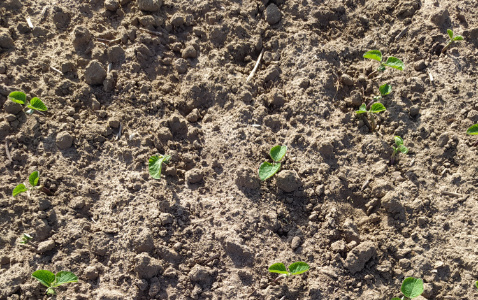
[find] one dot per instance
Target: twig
(43, 13)
(56, 70)
(451, 194)
(256, 66)
(107, 41)
(151, 32)
(118, 136)
(29, 21)
(366, 183)
(110, 65)
(430, 75)
(402, 33)
(7, 151)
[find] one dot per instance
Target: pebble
(12, 107)
(166, 218)
(359, 256)
(150, 5)
(45, 246)
(189, 52)
(177, 20)
(91, 272)
(347, 79)
(295, 243)
(414, 111)
(273, 14)
(181, 65)
(111, 5)
(419, 65)
(64, 140)
(201, 274)
(194, 176)
(95, 73)
(288, 181)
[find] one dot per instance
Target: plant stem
(446, 47)
(373, 74)
(372, 119)
(392, 160)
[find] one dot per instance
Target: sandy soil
(124, 80)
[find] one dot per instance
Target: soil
(124, 80)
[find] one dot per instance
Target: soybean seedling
(411, 288)
(384, 89)
(399, 147)
(52, 281)
(374, 109)
(35, 103)
(473, 130)
(156, 164)
(391, 61)
(453, 38)
(267, 170)
(26, 238)
(33, 179)
(294, 269)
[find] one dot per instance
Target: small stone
(347, 79)
(111, 5)
(422, 221)
(44, 204)
(95, 104)
(201, 275)
(91, 272)
(359, 256)
(150, 5)
(166, 218)
(273, 14)
(95, 73)
(194, 176)
(64, 140)
(295, 243)
(181, 65)
(338, 246)
(146, 266)
(12, 107)
(443, 139)
(276, 99)
(414, 111)
(419, 65)
(272, 73)
(116, 54)
(193, 116)
(113, 123)
(177, 20)
(6, 41)
(189, 52)
(45, 246)
(60, 17)
(288, 181)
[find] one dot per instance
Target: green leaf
(473, 130)
(450, 33)
(44, 276)
(395, 63)
(458, 38)
(377, 107)
(476, 284)
(381, 68)
(373, 54)
(403, 149)
(18, 97)
(396, 298)
(63, 277)
(412, 287)
(278, 152)
(298, 268)
(19, 189)
(385, 89)
(37, 104)
(267, 170)
(33, 179)
(362, 109)
(50, 291)
(155, 165)
(278, 268)
(398, 141)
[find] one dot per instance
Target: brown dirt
(209, 228)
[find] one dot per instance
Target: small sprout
(375, 108)
(52, 281)
(294, 269)
(267, 170)
(399, 147)
(391, 62)
(476, 284)
(21, 98)
(156, 164)
(453, 38)
(473, 130)
(26, 238)
(411, 288)
(32, 179)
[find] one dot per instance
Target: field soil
(124, 80)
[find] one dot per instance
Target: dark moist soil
(124, 80)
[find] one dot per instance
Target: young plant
(391, 62)
(411, 288)
(52, 281)
(453, 38)
(473, 130)
(26, 238)
(294, 269)
(267, 169)
(399, 147)
(35, 102)
(32, 179)
(374, 109)
(156, 164)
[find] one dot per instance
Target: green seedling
(473, 130)
(391, 61)
(294, 269)
(411, 288)
(399, 147)
(32, 179)
(156, 164)
(476, 284)
(374, 109)
(34, 104)
(52, 281)
(453, 38)
(26, 238)
(267, 169)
